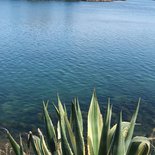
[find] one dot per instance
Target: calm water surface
(71, 47)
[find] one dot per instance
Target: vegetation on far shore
(67, 138)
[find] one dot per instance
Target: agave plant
(67, 138)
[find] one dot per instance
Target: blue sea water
(50, 47)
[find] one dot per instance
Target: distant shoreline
(101, 0)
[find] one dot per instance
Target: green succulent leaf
(139, 146)
(34, 141)
(21, 147)
(71, 137)
(67, 138)
(105, 141)
(66, 148)
(77, 124)
(131, 128)
(51, 135)
(118, 147)
(16, 147)
(43, 146)
(95, 124)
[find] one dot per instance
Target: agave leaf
(21, 147)
(72, 116)
(125, 127)
(70, 134)
(131, 128)
(75, 105)
(118, 147)
(14, 144)
(60, 110)
(65, 109)
(56, 109)
(79, 115)
(59, 150)
(90, 150)
(66, 148)
(139, 146)
(35, 143)
(58, 131)
(78, 127)
(105, 141)
(51, 135)
(95, 124)
(43, 145)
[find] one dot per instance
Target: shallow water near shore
(70, 48)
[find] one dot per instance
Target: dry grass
(6, 149)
